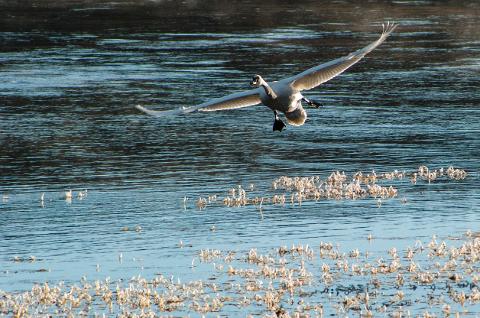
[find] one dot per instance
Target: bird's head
(256, 81)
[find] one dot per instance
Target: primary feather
(326, 71)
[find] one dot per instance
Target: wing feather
(326, 71)
(232, 101)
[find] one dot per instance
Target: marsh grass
(435, 278)
(295, 190)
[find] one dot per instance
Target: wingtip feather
(164, 113)
(140, 107)
(389, 27)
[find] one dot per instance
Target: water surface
(71, 74)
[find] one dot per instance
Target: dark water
(72, 72)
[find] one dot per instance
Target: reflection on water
(67, 121)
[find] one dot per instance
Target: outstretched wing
(326, 71)
(232, 101)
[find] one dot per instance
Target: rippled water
(70, 81)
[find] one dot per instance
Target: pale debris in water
(337, 186)
(284, 281)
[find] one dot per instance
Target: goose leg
(312, 102)
(278, 124)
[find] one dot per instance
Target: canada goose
(284, 95)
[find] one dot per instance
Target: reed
(296, 281)
(297, 190)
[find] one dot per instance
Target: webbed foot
(278, 124)
(312, 102)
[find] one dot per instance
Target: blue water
(67, 121)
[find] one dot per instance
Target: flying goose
(283, 95)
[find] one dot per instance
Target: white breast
(287, 99)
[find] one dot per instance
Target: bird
(283, 96)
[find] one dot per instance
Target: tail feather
(296, 117)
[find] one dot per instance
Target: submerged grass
(337, 186)
(435, 278)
